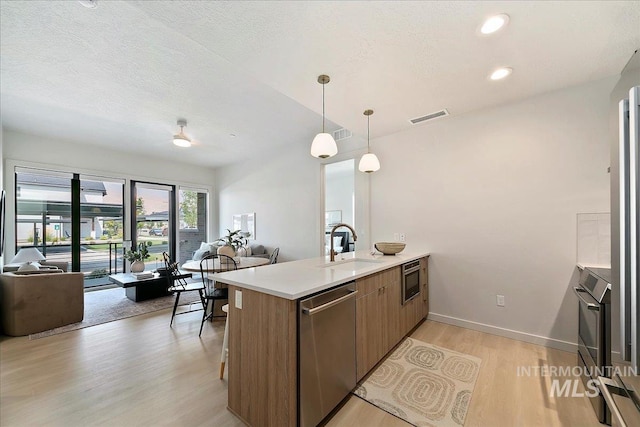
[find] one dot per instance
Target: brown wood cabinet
(263, 363)
(263, 343)
(381, 319)
(377, 324)
(424, 277)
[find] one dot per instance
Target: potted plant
(136, 258)
(233, 241)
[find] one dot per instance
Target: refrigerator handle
(623, 186)
(634, 200)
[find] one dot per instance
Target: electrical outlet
(239, 299)
(403, 237)
(396, 237)
(500, 300)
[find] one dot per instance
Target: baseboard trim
(503, 332)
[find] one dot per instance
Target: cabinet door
(370, 335)
(392, 295)
(424, 277)
(406, 316)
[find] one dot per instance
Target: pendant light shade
(323, 144)
(180, 139)
(369, 162)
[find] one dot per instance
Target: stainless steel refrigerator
(622, 390)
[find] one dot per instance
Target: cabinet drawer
(372, 283)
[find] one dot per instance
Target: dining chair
(273, 258)
(225, 342)
(177, 284)
(209, 264)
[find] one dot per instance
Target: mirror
(339, 203)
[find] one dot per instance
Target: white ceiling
(123, 73)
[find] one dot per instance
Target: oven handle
(590, 305)
(605, 384)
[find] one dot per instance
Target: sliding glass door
(43, 213)
(153, 220)
(101, 229)
(80, 220)
(193, 221)
(46, 213)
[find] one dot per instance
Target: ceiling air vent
(431, 116)
(341, 134)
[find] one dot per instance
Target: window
(44, 219)
(193, 221)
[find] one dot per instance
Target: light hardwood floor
(140, 372)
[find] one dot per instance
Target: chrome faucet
(332, 253)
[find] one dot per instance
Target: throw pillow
(200, 253)
(258, 249)
(213, 247)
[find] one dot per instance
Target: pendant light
(323, 145)
(369, 162)
(180, 139)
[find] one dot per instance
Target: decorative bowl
(390, 248)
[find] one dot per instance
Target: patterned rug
(423, 384)
(107, 305)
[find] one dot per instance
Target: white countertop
(297, 279)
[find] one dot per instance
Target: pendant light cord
(368, 146)
(323, 107)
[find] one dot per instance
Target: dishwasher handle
(312, 311)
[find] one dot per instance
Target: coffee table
(144, 289)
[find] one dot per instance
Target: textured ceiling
(121, 74)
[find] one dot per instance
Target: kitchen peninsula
(264, 306)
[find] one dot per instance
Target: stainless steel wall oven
(410, 280)
(594, 332)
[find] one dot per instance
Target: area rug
(423, 384)
(111, 304)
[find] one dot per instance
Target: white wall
(34, 151)
(284, 192)
(494, 196)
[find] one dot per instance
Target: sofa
(60, 265)
(258, 251)
(39, 301)
(206, 248)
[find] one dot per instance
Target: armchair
(32, 303)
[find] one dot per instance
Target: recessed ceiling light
(494, 23)
(501, 73)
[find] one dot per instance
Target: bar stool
(225, 342)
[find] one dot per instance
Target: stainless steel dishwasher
(327, 350)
